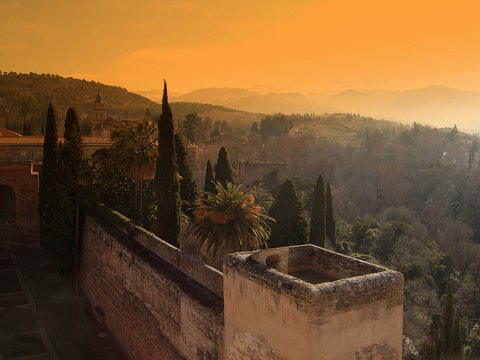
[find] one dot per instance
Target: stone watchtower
(306, 302)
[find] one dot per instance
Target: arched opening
(8, 208)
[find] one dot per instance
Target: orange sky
(279, 45)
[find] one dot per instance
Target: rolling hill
(25, 97)
(439, 106)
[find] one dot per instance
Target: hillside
(438, 106)
(25, 97)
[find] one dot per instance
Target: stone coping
(195, 268)
(367, 282)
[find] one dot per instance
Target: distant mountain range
(435, 105)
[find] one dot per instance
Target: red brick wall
(24, 182)
(152, 309)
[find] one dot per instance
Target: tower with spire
(99, 116)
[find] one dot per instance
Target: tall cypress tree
(72, 152)
(188, 186)
(448, 320)
(223, 170)
(48, 176)
(209, 179)
(317, 221)
(329, 220)
(290, 227)
(168, 199)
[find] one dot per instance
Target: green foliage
(135, 146)
(317, 220)
(167, 185)
(48, 176)
(209, 184)
(329, 218)
(365, 231)
(255, 129)
(275, 125)
(223, 170)
(290, 227)
(230, 220)
(188, 186)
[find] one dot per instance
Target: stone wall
(271, 314)
(21, 177)
(157, 301)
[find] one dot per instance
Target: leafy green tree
(112, 186)
(290, 227)
(364, 234)
(317, 221)
(190, 124)
(229, 221)
(329, 218)
(188, 186)
(223, 170)
(168, 197)
(135, 144)
(209, 186)
(48, 176)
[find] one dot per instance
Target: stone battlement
(299, 302)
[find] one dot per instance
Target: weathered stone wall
(24, 181)
(136, 288)
(272, 315)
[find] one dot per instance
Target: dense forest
(24, 99)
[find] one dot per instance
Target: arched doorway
(8, 207)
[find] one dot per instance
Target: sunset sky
(269, 45)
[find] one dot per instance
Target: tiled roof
(99, 99)
(38, 140)
(8, 133)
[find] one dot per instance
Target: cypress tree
(188, 186)
(329, 220)
(448, 320)
(48, 176)
(290, 227)
(457, 349)
(317, 221)
(166, 180)
(223, 170)
(209, 180)
(72, 152)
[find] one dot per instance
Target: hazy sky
(301, 45)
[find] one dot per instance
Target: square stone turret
(306, 302)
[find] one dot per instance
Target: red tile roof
(8, 133)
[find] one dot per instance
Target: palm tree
(135, 145)
(229, 221)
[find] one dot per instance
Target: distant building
(20, 163)
(99, 117)
(250, 171)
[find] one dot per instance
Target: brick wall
(24, 181)
(154, 310)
